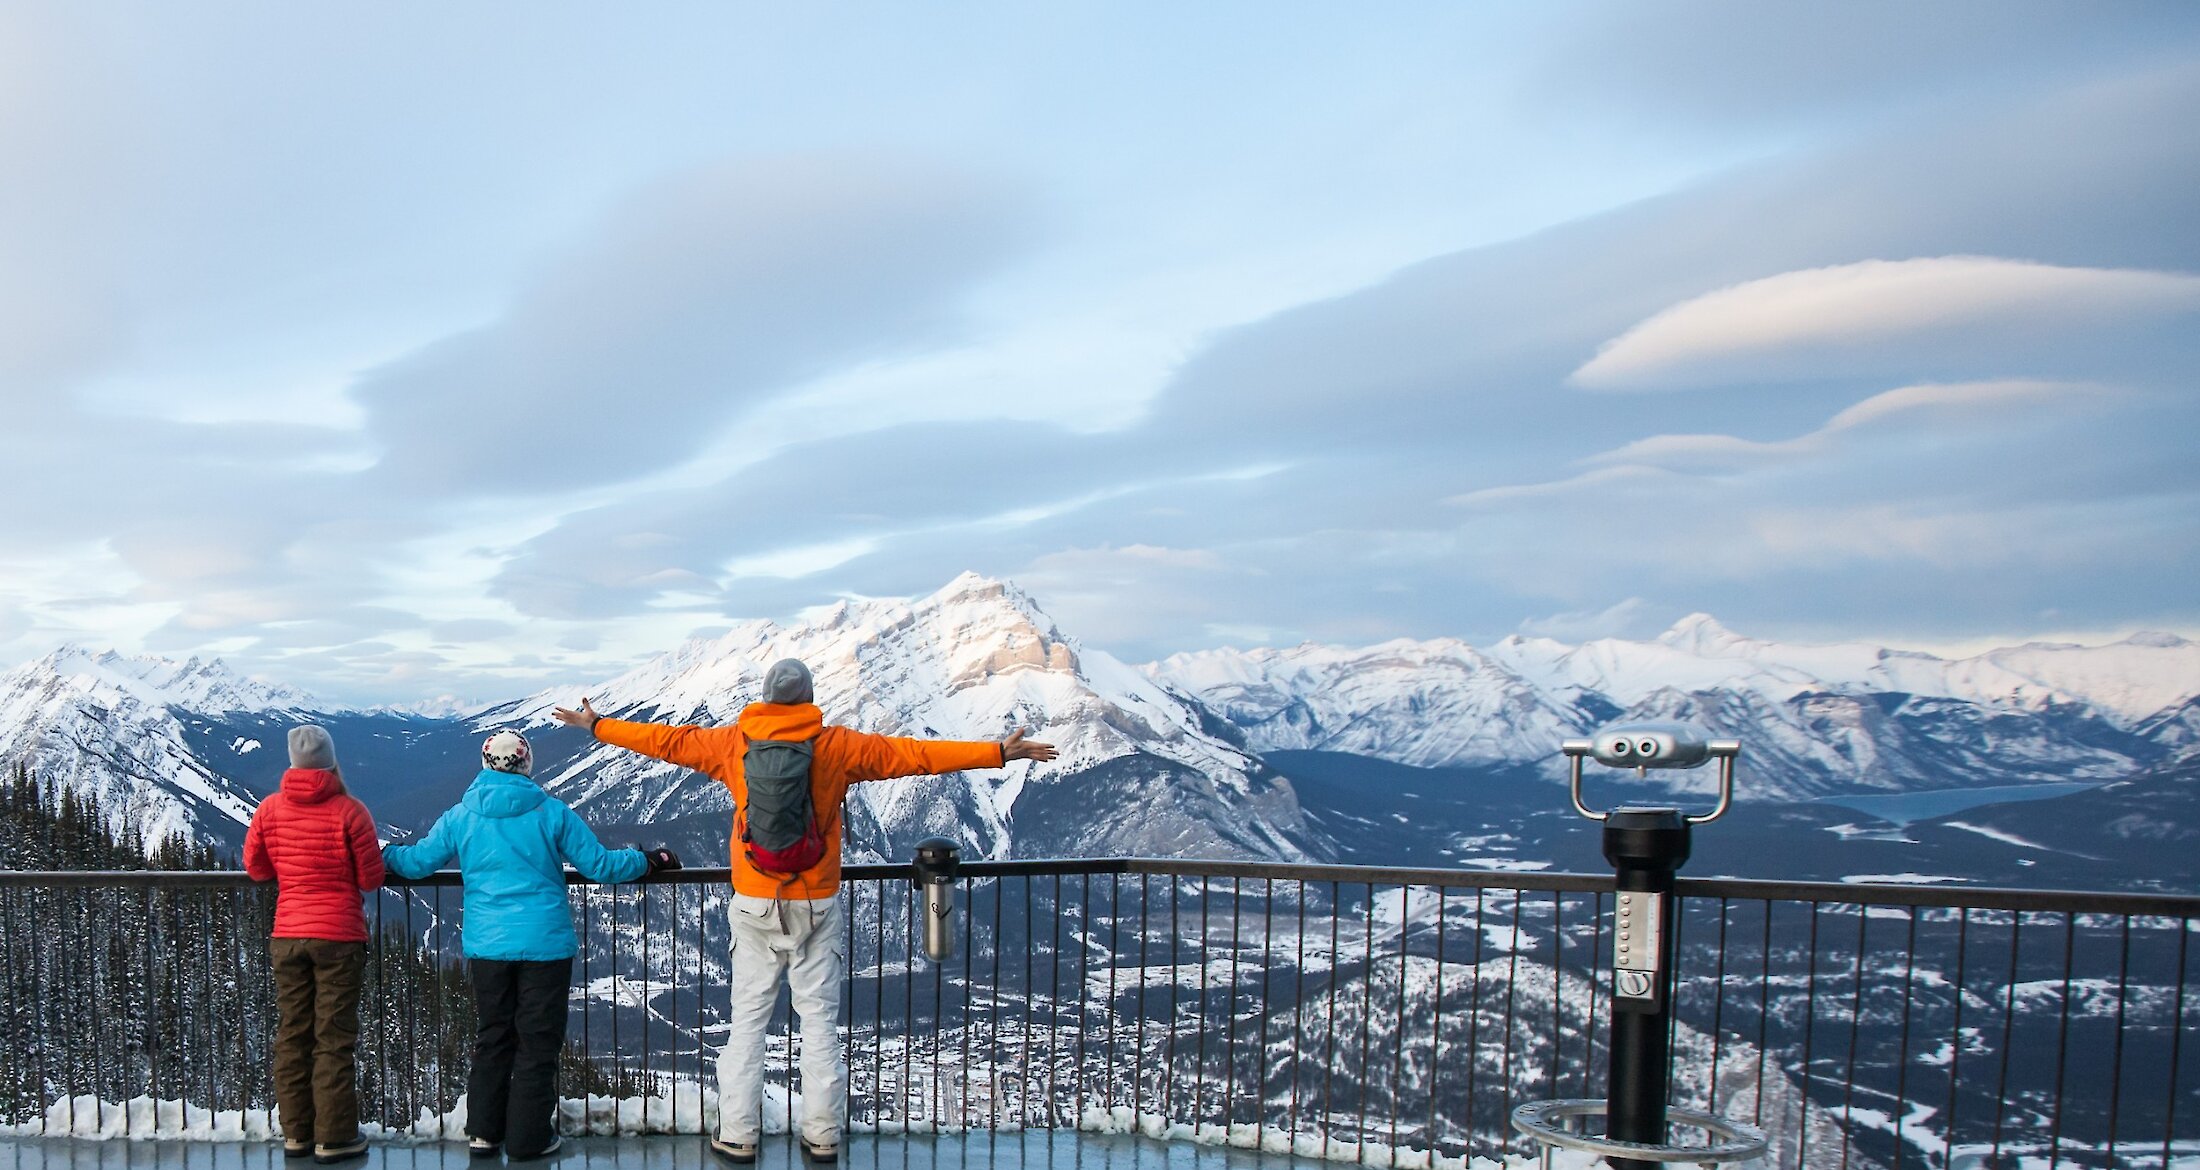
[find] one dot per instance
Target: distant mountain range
(1272, 753)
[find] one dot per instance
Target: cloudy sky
(398, 350)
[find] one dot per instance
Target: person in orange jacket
(787, 921)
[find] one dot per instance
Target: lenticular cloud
(1858, 318)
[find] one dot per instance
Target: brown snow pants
(316, 1036)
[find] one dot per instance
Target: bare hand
(585, 718)
(1016, 747)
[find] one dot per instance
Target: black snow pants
(512, 1093)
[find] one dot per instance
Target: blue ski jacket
(510, 839)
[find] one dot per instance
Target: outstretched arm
(884, 757)
(688, 745)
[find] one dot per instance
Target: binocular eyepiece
(1652, 745)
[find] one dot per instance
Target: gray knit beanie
(788, 681)
(311, 747)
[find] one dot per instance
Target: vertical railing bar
(1558, 989)
(1138, 1040)
(1267, 961)
(16, 1076)
(2008, 1030)
(2116, 1054)
(1902, 1045)
(436, 981)
(149, 1039)
(908, 1004)
(641, 918)
(1398, 1045)
(1512, 982)
(618, 1047)
(704, 1074)
(1955, 1033)
(1084, 970)
(1199, 1057)
(1718, 1014)
(2062, 1038)
(1856, 1025)
(1764, 1017)
(588, 1002)
(412, 1047)
(970, 973)
(1474, 1022)
(1596, 988)
(2176, 1040)
(878, 1012)
(1115, 961)
(1298, 1016)
(1810, 1033)
(1436, 1027)
(26, 984)
(1367, 1008)
(993, 1012)
(1054, 1004)
(210, 995)
(1031, 1004)
(1229, 1015)
(1237, 948)
(95, 921)
(1329, 1020)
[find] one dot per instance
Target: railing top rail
(1952, 897)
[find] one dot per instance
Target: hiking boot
(481, 1148)
(293, 1149)
(556, 1141)
(345, 1152)
(821, 1151)
(738, 1153)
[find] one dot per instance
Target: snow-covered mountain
(1165, 759)
(1139, 772)
(1813, 718)
(120, 729)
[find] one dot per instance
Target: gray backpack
(779, 827)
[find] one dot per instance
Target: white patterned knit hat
(507, 751)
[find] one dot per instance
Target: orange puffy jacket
(316, 843)
(839, 757)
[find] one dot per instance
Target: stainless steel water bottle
(935, 864)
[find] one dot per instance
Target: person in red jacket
(315, 841)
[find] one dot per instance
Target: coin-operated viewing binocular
(1647, 845)
(936, 863)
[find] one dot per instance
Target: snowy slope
(1813, 718)
(114, 727)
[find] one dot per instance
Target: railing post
(1646, 847)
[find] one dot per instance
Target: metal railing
(1350, 1011)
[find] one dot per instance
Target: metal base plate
(1545, 1122)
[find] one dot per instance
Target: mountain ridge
(1161, 758)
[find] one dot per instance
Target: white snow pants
(799, 939)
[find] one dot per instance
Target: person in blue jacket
(511, 840)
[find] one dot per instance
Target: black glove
(661, 860)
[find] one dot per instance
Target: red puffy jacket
(316, 842)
